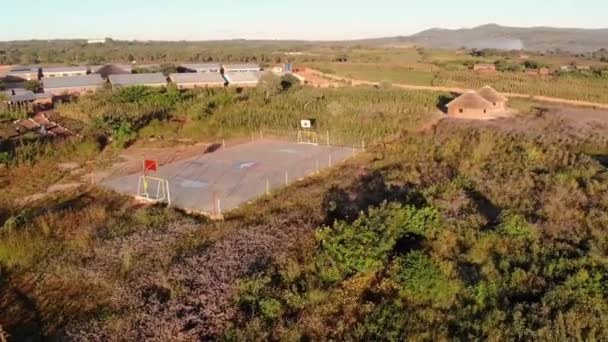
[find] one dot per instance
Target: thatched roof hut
(497, 100)
(470, 104)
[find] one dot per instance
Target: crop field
(420, 74)
(572, 88)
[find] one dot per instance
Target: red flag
(150, 165)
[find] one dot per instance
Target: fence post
(286, 179)
(267, 187)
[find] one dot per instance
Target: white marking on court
(289, 151)
(193, 184)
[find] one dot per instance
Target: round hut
(498, 101)
(470, 105)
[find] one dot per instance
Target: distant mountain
(509, 38)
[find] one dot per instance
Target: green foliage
(124, 134)
(421, 280)
(515, 226)
(364, 245)
(363, 114)
(33, 85)
(270, 309)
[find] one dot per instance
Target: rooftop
(242, 66)
(202, 66)
(243, 77)
(73, 81)
(138, 79)
(470, 99)
(65, 69)
(491, 95)
(23, 70)
(23, 95)
(205, 77)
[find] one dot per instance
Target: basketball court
(223, 180)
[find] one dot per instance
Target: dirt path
(344, 80)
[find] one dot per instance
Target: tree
(271, 84)
(288, 81)
(33, 86)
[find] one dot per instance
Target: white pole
(286, 179)
(317, 166)
(219, 208)
(168, 195)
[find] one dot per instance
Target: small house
(148, 80)
(470, 105)
(65, 71)
(73, 85)
(204, 67)
(198, 80)
(22, 98)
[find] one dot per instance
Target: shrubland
(474, 234)
(459, 231)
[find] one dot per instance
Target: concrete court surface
(235, 175)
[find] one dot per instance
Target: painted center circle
(245, 165)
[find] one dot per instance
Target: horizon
(303, 40)
(189, 20)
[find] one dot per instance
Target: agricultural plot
(223, 180)
(595, 89)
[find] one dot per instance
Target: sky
(279, 19)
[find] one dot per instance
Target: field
(450, 69)
(441, 229)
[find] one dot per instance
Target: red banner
(150, 165)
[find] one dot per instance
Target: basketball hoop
(307, 136)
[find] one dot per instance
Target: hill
(502, 37)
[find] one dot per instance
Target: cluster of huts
(485, 103)
(77, 80)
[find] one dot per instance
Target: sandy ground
(547, 120)
(234, 175)
(319, 80)
(4, 69)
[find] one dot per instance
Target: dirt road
(339, 80)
